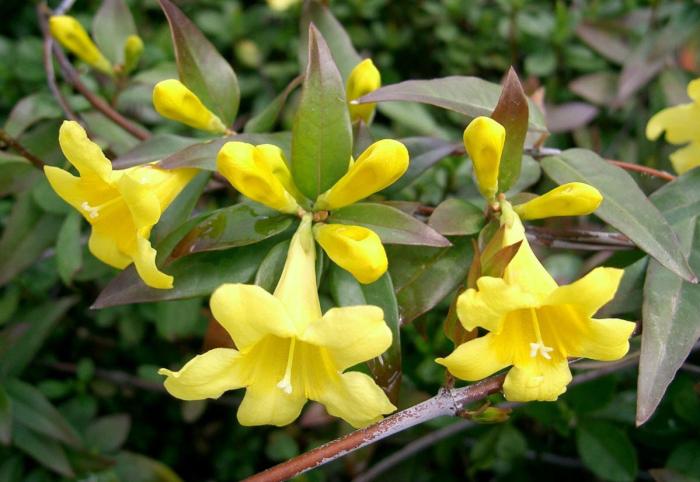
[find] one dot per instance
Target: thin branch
(10, 141)
(628, 166)
(63, 7)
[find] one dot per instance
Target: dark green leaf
(30, 110)
(454, 217)
(108, 434)
(44, 450)
(157, 147)
(105, 132)
(470, 96)
(606, 451)
(201, 67)
(178, 319)
(139, 468)
(69, 252)
(686, 459)
(423, 152)
(628, 297)
(680, 199)
(624, 207)
(5, 417)
(111, 26)
(265, 120)
(180, 209)
(321, 133)
(392, 226)
(16, 174)
(271, 267)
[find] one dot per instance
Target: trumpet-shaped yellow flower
(534, 324)
(379, 166)
(73, 37)
(260, 173)
(484, 139)
(122, 206)
(363, 79)
(572, 199)
(682, 126)
(287, 351)
(173, 100)
(133, 48)
(355, 249)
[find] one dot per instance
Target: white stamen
(542, 349)
(286, 383)
(93, 212)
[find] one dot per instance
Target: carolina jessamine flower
(484, 139)
(534, 324)
(122, 206)
(363, 79)
(572, 199)
(133, 48)
(173, 100)
(287, 351)
(682, 126)
(354, 248)
(73, 37)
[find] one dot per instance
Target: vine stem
(10, 141)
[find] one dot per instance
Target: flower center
(538, 346)
(286, 383)
(92, 211)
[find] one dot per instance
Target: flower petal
(589, 293)
(484, 139)
(679, 123)
(249, 313)
(266, 404)
(205, 376)
(106, 249)
(605, 339)
(355, 398)
(686, 158)
(355, 249)
(84, 154)
(475, 359)
(363, 79)
(541, 380)
(351, 334)
(141, 200)
(173, 100)
(144, 257)
(571, 199)
(72, 36)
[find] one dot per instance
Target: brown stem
(10, 141)
(628, 166)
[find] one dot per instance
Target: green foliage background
(98, 368)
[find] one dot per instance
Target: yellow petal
(379, 166)
(694, 90)
(174, 101)
(84, 154)
(686, 158)
(257, 173)
(679, 122)
(141, 200)
(363, 79)
(351, 334)
(475, 359)
(541, 380)
(605, 339)
(266, 404)
(589, 293)
(72, 36)
(484, 139)
(106, 249)
(355, 398)
(355, 249)
(144, 257)
(249, 313)
(281, 5)
(572, 199)
(205, 376)
(69, 187)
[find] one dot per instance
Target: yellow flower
(363, 79)
(260, 173)
(287, 351)
(281, 5)
(379, 166)
(572, 199)
(73, 37)
(534, 324)
(355, 249)
(176, 102)
(682, 126)
(122, 206)
(484, 139)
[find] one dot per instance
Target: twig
(579, 239)
(63, 7)
(628, 166)
(10, 141)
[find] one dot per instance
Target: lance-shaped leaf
(265, 120)
(44, 450)
(155, 148)
(180, 209)
(69, 251)
(346, 291)
(424, 152)
(625, 207)
(201, 68)
(322, 133)
(5, 417)
(470, 96)
(391, 225)
(512, 113)
(454, 217)
(112, 25)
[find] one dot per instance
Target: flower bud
(355, 249)
(259, 173)
(484, 139)
(378, 167)
(73, 37)
(363, 79)
(572, 199)
(133, 48)
(176, 102)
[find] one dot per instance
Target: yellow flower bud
(572, 199)
(378, 167)
(355, 249)
(176, 102)
(484, 139)
(133, 48)
(281, 5)
(73, 37)
(259, 173)
(363, 79)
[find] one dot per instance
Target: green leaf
(271, 267)
(680, 199)
(628, 297)
(470, 96)
(155, 148)
(178, 319)
(512, 113)
(69, 252)
(423, 277)
(390, 224)
(5, 417)
(203, 155)
(139, 468)
(321, 133)
(16, 174)
(111, 26)
(606, 451)
(234, 226)
(423, 152)
(42, 320)
(625, 207)
(180, 209)
(265, 120)
(108, 434)
(201, 68)
(29, 111)
(454, 217)
(44, 450)
(686, 459)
